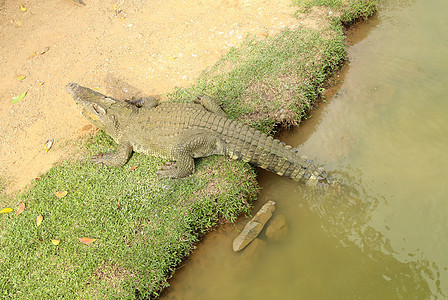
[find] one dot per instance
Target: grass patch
(144, 227)
(348, 11)
(274, 81)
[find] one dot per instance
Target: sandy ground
(122, 49)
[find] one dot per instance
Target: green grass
(350, 10)
(144, 227)
(139, 244)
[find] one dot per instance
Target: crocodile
(181, 132)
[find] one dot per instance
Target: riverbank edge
(201, 200)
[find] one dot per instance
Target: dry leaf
(19, 23)
(21, 77)
(118, 205)
(133, 168)
(18, 98)
(6, 210)
(39, 220)
(86, 240)
(45, 50)
(80, 2)
(61, 194)
(40, 82)
(37, 178)
(115, 7)
(55, 242)
(21, 208)
(48, 145)
(22, 8)
(32, 55)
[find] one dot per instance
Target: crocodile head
(96, 106)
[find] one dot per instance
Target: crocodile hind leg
(114, 159)
(211, 105)
(197, 144)
(145, 102)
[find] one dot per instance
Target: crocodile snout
(70, 87)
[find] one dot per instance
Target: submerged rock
(254, 226)
(277, 228)
(250, 256)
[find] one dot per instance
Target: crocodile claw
(98, 159)
(168, 170)
(197, 100)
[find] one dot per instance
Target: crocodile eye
(98, 109)
(95, 108)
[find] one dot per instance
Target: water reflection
(345, 216)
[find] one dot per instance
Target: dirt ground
(122, 49)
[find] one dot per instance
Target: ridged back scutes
(242, 142)
(259, 149)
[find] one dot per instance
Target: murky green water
(384, 135)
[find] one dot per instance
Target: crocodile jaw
(95, 105)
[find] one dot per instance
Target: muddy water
(384, 136)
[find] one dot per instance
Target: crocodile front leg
(114, 159)
(196, 144)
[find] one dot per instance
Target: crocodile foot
(99, 159)
(168, 170)
(108, 159)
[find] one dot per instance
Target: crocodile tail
(252, 146)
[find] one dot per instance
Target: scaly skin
(181, 132)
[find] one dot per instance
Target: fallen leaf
(45, 50)
(80, 2)
(118, 205)
(61, 194)
(6, 210)
(21, 77)
(18, 98)
(115, 7)
(40, 82)
(22, 8)
(87, 127)
(133, 168)
(39, 220)
(173, 57)
(55, 242)
(37, 178)
(86, 240)
(32, 55)
(21, 208)
(48, 145)
(19, 23)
